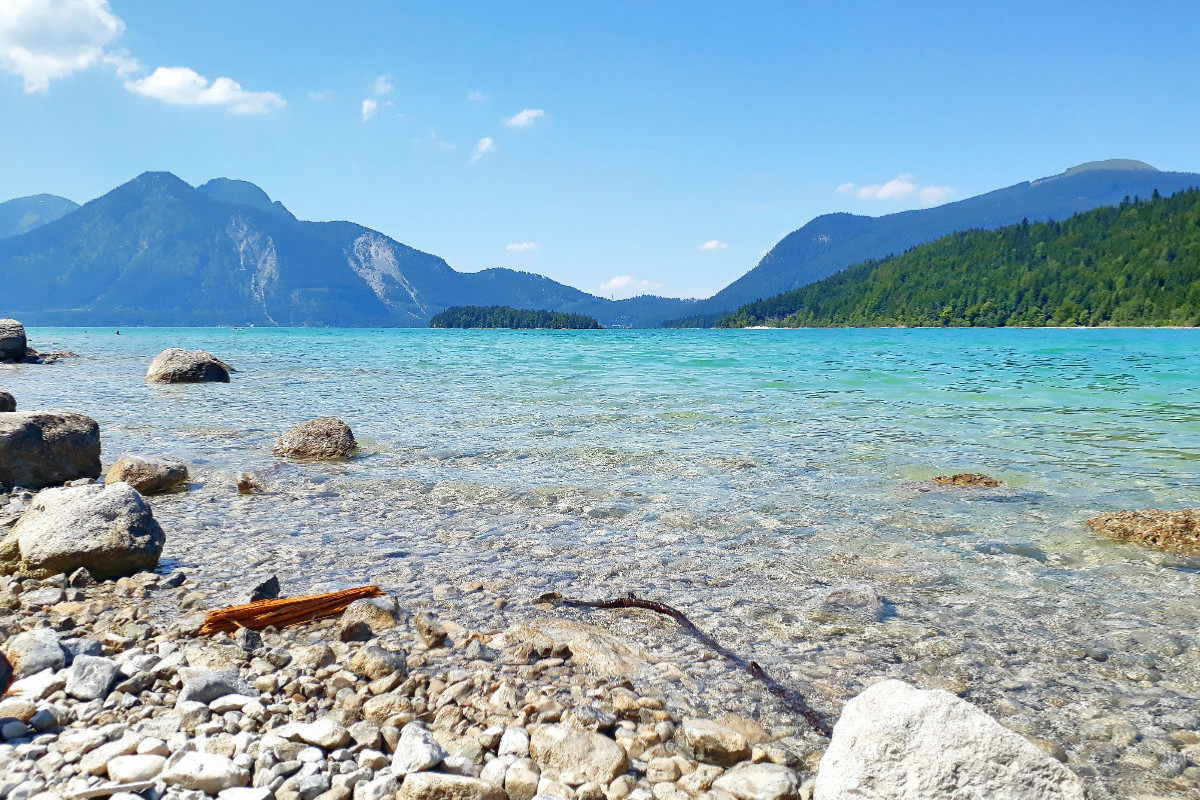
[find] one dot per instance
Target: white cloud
(43, 40)
(521, 247)
(713, 244)
(186, 87)
(382, 86)
(476, 96)
(484, 145)
(898, 188)
(122, 63)
(628, 286)
(369, 107)
(523, 119)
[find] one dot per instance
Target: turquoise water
(740, 475)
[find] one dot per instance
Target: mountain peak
(243, 193)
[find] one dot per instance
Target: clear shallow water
(738, 475)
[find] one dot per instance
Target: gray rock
(763, 782)
(853, 601)
(378, 612)
(375, 662)
(148, 474)
(187, 366)
(13, 346)
(206, 685)
(206, 772)
(13, 729)
(323, 439)
(416, 751)
(90, 677)
(48, 448)
(36, 650)
(109, 530)
(714, 742)
(897, 741)
(313, 785)
(430, 630)
(437, 786)
(577, 756)
(7, 402)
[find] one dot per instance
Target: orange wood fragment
(284, 612)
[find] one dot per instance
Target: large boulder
(897, 742)
(148, 474)
(324, 438)
(108, 530)
(7, 402)
(187, 366)
(1168, 530)
(12, 340)
(47, 448)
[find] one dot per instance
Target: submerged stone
(1167, 530)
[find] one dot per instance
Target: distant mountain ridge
(23, 214)
(157, 251)
(832, 242)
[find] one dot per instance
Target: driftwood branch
(790, 697)
(285, 612)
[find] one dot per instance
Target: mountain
(1134, 264)
(833, 242)
(157, 251)
(26, 213)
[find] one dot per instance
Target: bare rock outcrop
(895, 742)
(1177, 530)
(187, 366)
(47, 448)
(324, 439)
(148, 474)
(108, 530)
(7, 402)
(13, 345)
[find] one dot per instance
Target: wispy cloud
(320, 96)
(899, 188)
(186, 87)
(381, 87)
(523, 119)
(628, 286)
(476, 96)
(521, 247)
(484, 145)
(434, 141)
(713, 244)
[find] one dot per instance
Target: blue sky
(665, 146)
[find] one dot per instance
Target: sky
(620, 147)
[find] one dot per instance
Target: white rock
(90, 677)
(437, 786)
(129, 769)
(416, 751)
(324, 733)
(577, 756)
(246, 793)
(521, 780)
(760, 782)
(40, 685)
(514, 742)
(895, 741)
(231, 702)
(377, 789)
(207, 772)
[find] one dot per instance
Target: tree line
(1134, 264)
(509, 317)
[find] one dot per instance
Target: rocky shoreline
(120, 696)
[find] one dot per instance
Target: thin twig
(791, 697)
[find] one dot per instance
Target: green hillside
(1134, 264)
(509, 317)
